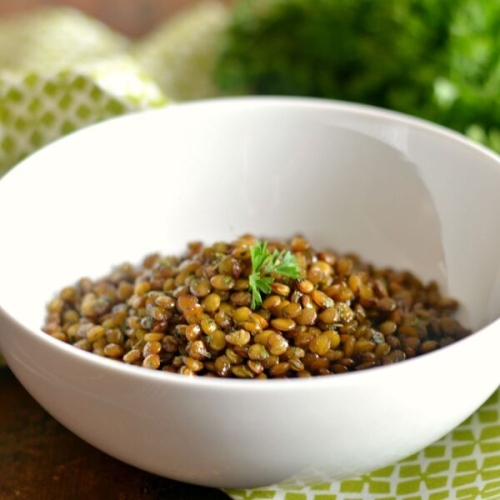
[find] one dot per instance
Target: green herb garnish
(265, 265)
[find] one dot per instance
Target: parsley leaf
(264, 265)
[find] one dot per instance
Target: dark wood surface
(41, 460)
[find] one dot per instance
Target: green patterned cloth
(61, 70)
(464, 465)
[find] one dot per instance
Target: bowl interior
(396, 191)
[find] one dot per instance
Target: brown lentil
(283, 324)
(277, 344)
(193, 364)
(132, 356)
(151, 348)
(280, 369)
(192, 333)
(242, 371)
(321, 299)
(306, 317)
(114, 351)
(330, 315)
(222, 282)
(388, 327)
(320, 344)
(152, 361)
(305, 286)
(96, 332)
(257, 352)
(191, 314)
(198, 350)
(291, 310)
(238, 337)
(255, 366)
(280, 289)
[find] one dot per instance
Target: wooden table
(41, 460)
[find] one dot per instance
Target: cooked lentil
(191, 314)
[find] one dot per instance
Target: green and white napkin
(61, 70)
(464, 465)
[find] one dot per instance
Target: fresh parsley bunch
(467, 90)
(436, 59)
(381, 52)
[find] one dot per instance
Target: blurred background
(132, 17)
(435, 59)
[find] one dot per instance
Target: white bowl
(396, 190)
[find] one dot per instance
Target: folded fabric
(181, 53)
(54, 38)
(61, 70)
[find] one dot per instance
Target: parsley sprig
(267, 265)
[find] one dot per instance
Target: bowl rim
(346, 379)
(252, 101)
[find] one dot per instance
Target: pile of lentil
(191, 314)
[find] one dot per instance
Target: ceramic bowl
(396, 190)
